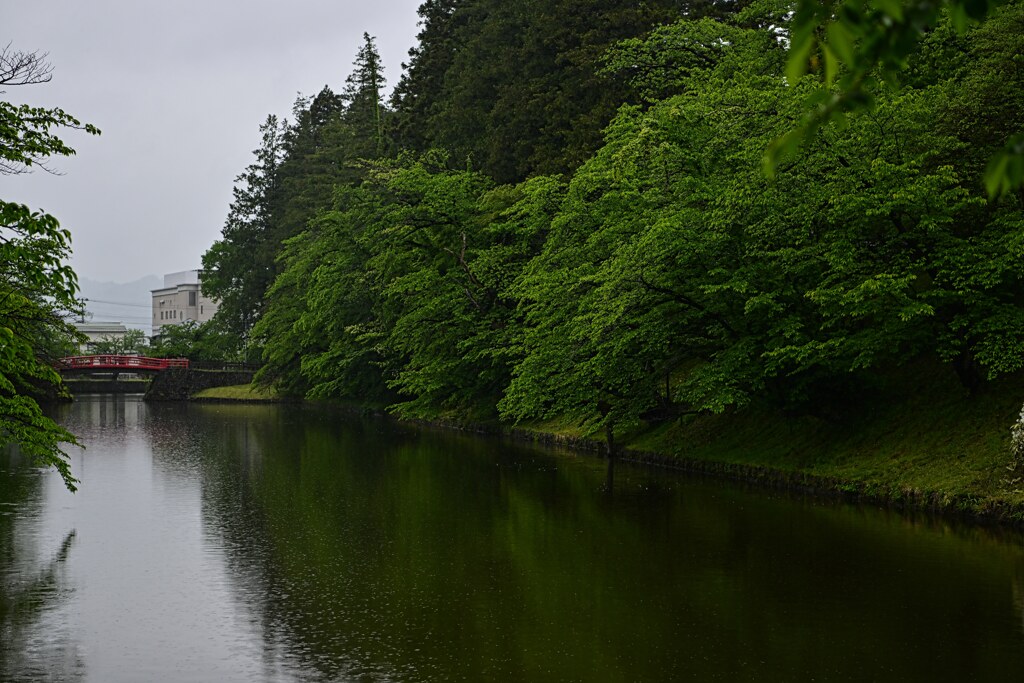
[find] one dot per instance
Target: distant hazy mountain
(129, 303)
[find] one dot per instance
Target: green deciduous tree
(208, 341)
(402, 292)
(320, 333)
(132, 341)
(441, 304)
(677, 278)
(37, 288)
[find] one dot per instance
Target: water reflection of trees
(362, 551)
(274, 576)
(32, 645)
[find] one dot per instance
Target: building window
(191, 298)
(200, 309)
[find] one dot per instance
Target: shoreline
(976, 507)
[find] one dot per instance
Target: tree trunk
(968, 371)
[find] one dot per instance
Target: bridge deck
(124, 363)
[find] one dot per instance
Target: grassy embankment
(239, 392)
(926, 445)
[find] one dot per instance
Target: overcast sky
(179, 89)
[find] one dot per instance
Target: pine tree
(240, 266)
(422, 82)
(316, 159)
(364, 111)
(515, 86)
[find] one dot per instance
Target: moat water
(277, 543)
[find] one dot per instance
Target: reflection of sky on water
(267, 543)
(149, 599)
(35, 643)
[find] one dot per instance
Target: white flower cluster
(1017, 439)
(1016, 465)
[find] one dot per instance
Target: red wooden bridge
(111, 363)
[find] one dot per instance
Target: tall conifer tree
(240, 266)
(364, 111)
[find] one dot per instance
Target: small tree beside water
(1015, 468)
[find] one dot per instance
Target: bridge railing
(119, 362)
(233, 366)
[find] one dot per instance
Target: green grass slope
(928, 442)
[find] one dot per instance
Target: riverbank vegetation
(563, 213)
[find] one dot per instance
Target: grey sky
(179, 89)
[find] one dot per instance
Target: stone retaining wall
(178, 384)
(107, 386)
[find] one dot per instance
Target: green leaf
(799, 54)
(959, 17)
(831, 64)
(841, 40)
(892, 8)
(997, 181)
(780, 148)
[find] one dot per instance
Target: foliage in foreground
(37, 288)
(36, 292)
(856, 43)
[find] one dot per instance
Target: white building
(99, 331)
(180, 300)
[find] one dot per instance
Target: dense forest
(565, 208)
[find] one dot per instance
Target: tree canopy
(570, 214)
(37, 287)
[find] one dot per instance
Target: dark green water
(266, 543)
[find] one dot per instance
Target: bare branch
(24, 68)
